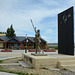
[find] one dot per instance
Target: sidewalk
(4, 73)
(13, 54)
(9, 64)
(18, 53)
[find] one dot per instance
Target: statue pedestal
(38, 54)
(38, 61)
(55, 61)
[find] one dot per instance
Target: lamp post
(26, 44)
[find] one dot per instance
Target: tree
(10, 31)
(2, 32)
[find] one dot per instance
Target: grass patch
(55, 47)
(14, 58)
(17, 62)
(32, 68)
(65, 69)
(1, 67)
(1, 61)
(20, 65)
(44, 68)
(19, 73)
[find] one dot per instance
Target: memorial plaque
(66, 32)
(30, 59)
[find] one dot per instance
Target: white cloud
(50, 32)
(13, 12)
(50, 39)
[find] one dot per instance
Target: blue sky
(42, 12)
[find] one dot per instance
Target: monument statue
(37, 38)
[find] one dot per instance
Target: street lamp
(26, 44)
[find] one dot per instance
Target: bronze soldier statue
(37, 38)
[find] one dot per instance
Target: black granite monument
(66, 32)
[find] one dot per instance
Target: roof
(19, 38)
(31, 38)
(4, 38)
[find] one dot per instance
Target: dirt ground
(19, 68)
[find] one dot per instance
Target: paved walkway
(13, 54)
(10, 64)
(20, 63)
(17, 53)
(24, 64)
(4, 73)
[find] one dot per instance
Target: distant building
(19, 42)
(2, 34)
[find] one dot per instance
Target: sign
(66, 32)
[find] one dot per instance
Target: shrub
(44, 68)
(55, 47)
(1, 61)
(30, 47)
(65, 69)
(6, 48)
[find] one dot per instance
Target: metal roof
(4, 38)
(19, 38)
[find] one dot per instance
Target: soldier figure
(37, 38)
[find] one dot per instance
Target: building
(2, 34)
(19, 42)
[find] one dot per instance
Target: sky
(44, 14)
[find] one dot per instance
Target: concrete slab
(7, 57)
(73, 70)
(10, 64)
(24, 64)
(4, 73)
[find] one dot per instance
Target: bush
(44, 68)
(65, 69)
(30, 47)
(55, 47)
(1, 61)
(6, 48)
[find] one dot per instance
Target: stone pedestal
(39, 61)
(38, 54)
(55, 61)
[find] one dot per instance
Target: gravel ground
(28, 70)
(19, 68)
(13, 60)
(36, 71)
